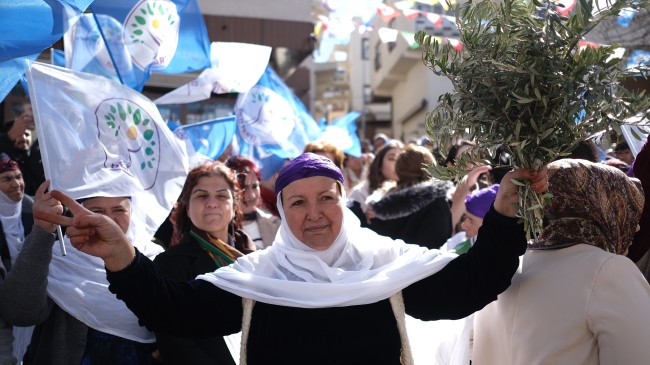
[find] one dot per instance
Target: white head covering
(360, 267)
(77, 283)
(12, 223)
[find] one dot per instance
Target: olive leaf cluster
(522, 81)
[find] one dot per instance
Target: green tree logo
(151, 33)
(130, 139)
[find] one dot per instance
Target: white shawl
(361, 267)
(12, 223)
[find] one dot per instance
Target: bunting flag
(208, 139)
(101, 138)
(272, 122)
(411, 14)
(28, 27)
(435, 19)
(387, 12)
(342, 133)
(235, 68)
(387, 35)
(167, 36)
(403, 5)
(409, 37)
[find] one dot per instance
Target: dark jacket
(182, 262)
(362, 334)
(417, 214)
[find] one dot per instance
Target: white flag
(235, 68)
(101, 138)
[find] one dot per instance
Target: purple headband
(479, 201)
(307, 165)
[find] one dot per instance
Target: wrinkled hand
(508, 194)
(45, 203)
(92, 233)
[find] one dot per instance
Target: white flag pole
(40, 133)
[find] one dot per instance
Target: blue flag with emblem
(28, 27)
(209, 138)
(143, 36)
(272, 123)
(342, 133)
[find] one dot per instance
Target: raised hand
(44, 203)
(91, 233)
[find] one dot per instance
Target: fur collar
(400, 203)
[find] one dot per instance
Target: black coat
(362, 334)
(184, 262)
(418, 214)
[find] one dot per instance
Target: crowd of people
(323, 263)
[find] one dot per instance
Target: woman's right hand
(43, 202)
(92, 233)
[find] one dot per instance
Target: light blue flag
(160, 36)
(57, 57)
(625, 17)
(638, 58)
(11, 71)
(30, 26)
(342, 133)
(272, 121)
(86, 50)
(209, 138)
(27, 28)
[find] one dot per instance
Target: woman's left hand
(508, 194)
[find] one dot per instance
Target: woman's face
(388, 164)
(313, 210)
(116, 208)
(471, 224)
(211, 206)
(250, 186)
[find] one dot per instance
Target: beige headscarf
(593, 204)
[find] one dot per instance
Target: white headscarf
(360, 267)
(12, 223)
(77, 283)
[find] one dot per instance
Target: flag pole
(59, 234)
(108, 49)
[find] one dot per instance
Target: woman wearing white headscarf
(78, 321)
(327, 291)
